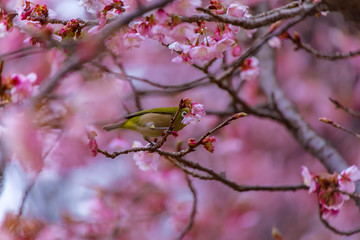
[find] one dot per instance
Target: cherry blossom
(237, 10)
(208, 143)
(179, 47)
(184, 7)
(309, 179)
(145, 160)
(275, 42)
(22, 86)
(2, 30)
(132, 40)
(221, 46)
(217, 7)
(183, 58)
(196, 112)
(347, 179)
(192, 142)
(327, 185)
(90, 5)
(92, 143)
(71, 30)
(118, 144)
(202, 53)
(236, 51)
(183, 32)
(250, 69)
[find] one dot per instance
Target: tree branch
(291, 118)
(257, 20)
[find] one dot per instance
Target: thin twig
(325, 56)
(133, 88)
(346, 109)
(179, 87)
(221, 125)
(187, 171)
(26, 193)
(115, 154)
(335, 230)
(193, 210)
(338, 126)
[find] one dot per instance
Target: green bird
(151, 122)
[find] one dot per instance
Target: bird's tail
(113, 126)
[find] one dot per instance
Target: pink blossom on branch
(182, 58)
(145, 160)
(237, 10)
(2, 30)
(71, 30)
(347, 179)
(183, 32)
(192, 142)
(275, 42)
(196, 112)
(91, 6)
(111, 10)
(236, 51)
(6, 22)
(219, 47)
(179, 47)
(250, 69)
(208, 143)
(21, 86)
(217, 7)
(327, 187)
(92, 143)
(202, 53)
(184, 7)
(35, 12)
(132, 40)
(309, 179)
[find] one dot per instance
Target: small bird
(151, 122)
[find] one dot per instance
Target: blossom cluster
(331, 189)
(71, 30)
(191, 42)
(207, 143)
(92, 143)
(196, 112)
(145, 160)
(18, 87)
(35, 12)
(6, 22)
(201, 41)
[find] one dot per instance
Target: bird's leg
(148, 140)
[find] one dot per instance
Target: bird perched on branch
(152, 122)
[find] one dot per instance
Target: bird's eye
(183, 113)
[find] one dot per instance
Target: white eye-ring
(183, 113)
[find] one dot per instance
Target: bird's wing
(155, 120)
(170, 111)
